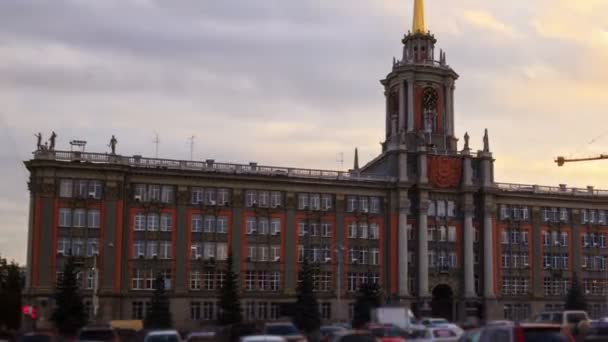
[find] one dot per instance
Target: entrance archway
(442, 304)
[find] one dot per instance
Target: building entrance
(442, 304)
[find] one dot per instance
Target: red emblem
(444, 172)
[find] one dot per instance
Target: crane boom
(562, 160)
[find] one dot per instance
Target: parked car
(201, 336)
(354, 336)
(103, 333)
(433, 321)
(163, 336)
(441, 334)
(328, 331)
(262, 338)
(598, 331)
(472, 335)
(37, 337)
(569, 319)
(287, 330)
(387, 332)
(525, 332)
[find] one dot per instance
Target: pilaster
(404, 208)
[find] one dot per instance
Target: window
(250, 198)
(275, 199)
(363, 204)
(275, 226)
(250, 280)
(275, 253)
(563, 214)
(221, 225)
(505, 237)
(77, 247)
(432, 211)
(251, 253)
(92, 247)
(302, 201)
(81, 188)
(326, 202)
(63, 246)
(374, 231)
(223, 196)
(140, 192)
(441, 212)
(139, 310)
(139, 249)
(166, 250)
(302, 229)
(95, 189)
(524, 237)
(451, 209)
(79, 218)
(197, 223)
(66, 188)
(263, 226)
(195, 310)
(166, 222)
(263, 253)
(139, 222)
(208, 312)
(65, 217)
(151, 249)
(208, 280)
(93, 218)
(363, 230)
(195, 280)
(375, 256)
(325, 309)
(209, 224)
(222, 251)
(196, 251)
(263, 199)
(564, 239)
(374, 204)
(352, 282)
(601, 217)
(154, 193)
(351, 204)
(410, 232)
(209, 250)
(546, 238)
(584, 216)
(250, 226)
(452, 234)
(315, 201)
(505, 212)
(443, 236)
(197, 195)
(152, 224)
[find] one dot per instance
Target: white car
(262, 338)
(163, 336)
(440, 334)
(434, 321)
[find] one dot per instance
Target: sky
(293, 82)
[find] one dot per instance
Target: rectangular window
(65, 217)
(66, 188)
(251, 198)
(441, 212)
(251, 253)
(93, 218)
(195, 311)
(546, 238)
(564, 239)
(263, 199)
(79, 218)
(77, 247)
(275, 253)
(95, 189)
(505, 212)
(154, 193)
(250, 280)
(601, 217)
(363, 204)
(140, 193)
(250, 226)
(222, 251)
(326, 202)
(302, 201)
(374, 231)
(138, 310)
(363, 230)
(153, 222)
(139, 222)
(375, 253)
(351, 204)
(195, 280)
(524, 237)
(197, 195)
(452, 234)
(315, 201)
(263, 253)
(221, 225)
(584, 216)
(208, 312)
(197, 223)
(223, 197)
(451, 209)
(263, 226)
(166, 250)
(196, 251)
(139, 249)
(210, 197)
(209, 226)
(374, 204)
(81, 187)
(151, 249)
(275, 226)
(302, 229)
(63, 246)
(275, 199)
(92, 247)
(209, 250)
(166, 222)
(563, 214)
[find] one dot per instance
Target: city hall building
(425, 219)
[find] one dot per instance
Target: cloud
(486, 21)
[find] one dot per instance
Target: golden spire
(419, 25)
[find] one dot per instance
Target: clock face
(429, 98)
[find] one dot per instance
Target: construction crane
(562, 160)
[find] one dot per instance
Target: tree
(10, 295)
(229, 303)
(69, 314)
(575, 299)
(159, 315)
(306, 315)
(368, 298)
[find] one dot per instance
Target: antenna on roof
(191, 138)
(340, 159)
(156, 141)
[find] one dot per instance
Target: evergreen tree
(368, 298)
(229, 303)
(69, 314)
(575, 299)
(10, 296)
(306, 315)
(159, 315)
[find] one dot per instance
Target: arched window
(429, 109)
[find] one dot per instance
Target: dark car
(598, 331)
(37, 337)
(525, 332)
(101, 333)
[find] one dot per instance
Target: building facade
(425, 219)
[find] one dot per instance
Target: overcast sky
(293, 82)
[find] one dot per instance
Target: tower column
(404, 207)
(469, 255)
(423, 246)
(402, 100)
(448, 110)
(410, 105)
(488, 250)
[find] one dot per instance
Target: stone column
(410, 105)
(447, 109)
(423, 247)
(402, 101)
(404, 207)
(488, 251)
(469, 236)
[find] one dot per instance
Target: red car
(386, 332)
(525, 332)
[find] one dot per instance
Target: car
(262, 338)
(433, 321)
(598, 331)
(525, 332)
(37, 337)
(386, 332)
(328, 331)
(97, 333)
(354, 336)
(472, 335)
(441, 334)
(201, 336)
(499, 322)
(286, 329)
(569, 319)
(163, 336)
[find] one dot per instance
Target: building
(425, 218)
